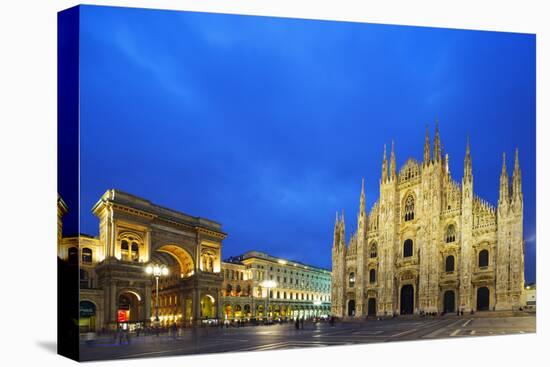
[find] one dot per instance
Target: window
(450, 234)
(373, 252)
(351, 279)
(372, 276)
(124, 249)
(450, 264)
(135, 252)
(228, 290)
(409, 208)
(408, 248)
(73, 255)
(238, 289)
(86, 255)
(84, 279)
(483, 258)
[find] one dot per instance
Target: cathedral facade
(429, 244)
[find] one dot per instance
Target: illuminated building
(133, 232)
(299, 290)
(429, 244)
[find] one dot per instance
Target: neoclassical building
(429, 244)
(133, 232)
(299, 290)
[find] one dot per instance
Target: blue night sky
(267, 125)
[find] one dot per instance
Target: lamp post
(157, 271)
(268, 284)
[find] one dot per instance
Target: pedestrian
(302, 322)
(297, 324)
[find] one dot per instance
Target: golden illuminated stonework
(430, 245)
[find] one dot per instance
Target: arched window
(86, 255)
(124, 250)
(351, 279)
(409, 208)
(372, 276)
(373, 252)
(73, 255)
(408, 248)
(238, 289)
(135, 252)
(483, 258)
(450, 235)
(228, 290)
(450, 264)
(207, 262)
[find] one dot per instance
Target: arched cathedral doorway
(351, 307)
(449, 302)
(482, 299)
(371, 310)
(407, 299)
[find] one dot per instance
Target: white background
(28, 179)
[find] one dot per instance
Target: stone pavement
(256, 338)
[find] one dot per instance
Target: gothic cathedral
(429, 244)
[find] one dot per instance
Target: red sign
(123, 315)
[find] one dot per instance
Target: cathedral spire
(336, 240)
(362, 199)
(437, 143)
(516, 179)
(342, 236)
(504, 192)
(393, 173)
(362, 216)
(468, 162)
(384, 167)
(427, 147)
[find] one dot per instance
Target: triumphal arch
(133, 232)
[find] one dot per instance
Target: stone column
(196, 306)
(112, 303)
(219, 304)
(148, 295)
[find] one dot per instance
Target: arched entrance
(228, 311)
(483, 299)
(407, 299)
(351, 307)
(208, 311)
(260, 311)
(86, 321)
(238, 312)
(128, 309)
(449, 301)
(182, 257)
(371, 310)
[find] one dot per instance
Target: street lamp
(268, 284)
(157, 271)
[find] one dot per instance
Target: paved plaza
(285, 336)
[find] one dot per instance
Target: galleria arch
(135, 232)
